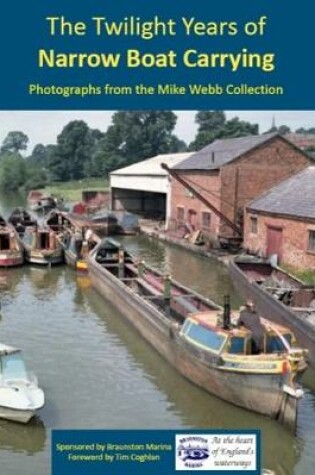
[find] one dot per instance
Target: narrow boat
(76, 241)
(11, 250)
(20, 396)
(20, 219)
(279, 297)
(104, 223)
(203, 341)
(42, 246)
(38, 201)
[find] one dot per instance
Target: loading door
(274, 242)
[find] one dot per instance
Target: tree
(12, 171)
(302, 130)
(284, 129)
(38, 156)
(212, 125)
(14, 142)
(74, 145)
(238, 128)
(134, 136)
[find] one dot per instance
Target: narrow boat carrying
(210, 346)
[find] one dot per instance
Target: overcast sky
(44, 126)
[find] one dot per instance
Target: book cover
(194, 122)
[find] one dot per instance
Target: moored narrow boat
(38, 201)
(76, 241)
(20, 219)
(42, 246)
(20, 396)
(278, 296)
(200, 339)
(11, 250)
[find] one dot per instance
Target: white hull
(20, 395)
(16, 415)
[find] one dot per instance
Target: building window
(206, 219)
(311, 241)
(254, 225)
(180, 213)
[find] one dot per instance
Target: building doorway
(274, 242)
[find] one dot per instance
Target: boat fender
(285, 368)
(297, 393)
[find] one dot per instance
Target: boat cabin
(205, 331)
(12, 366)
(39, 238)
(5, 240)
(7, 237)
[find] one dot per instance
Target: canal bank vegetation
(307, 276)
(72, 190)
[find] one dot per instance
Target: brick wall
(295, 239)
(256, 172)
(206, 182)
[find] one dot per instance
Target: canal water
(97, 372)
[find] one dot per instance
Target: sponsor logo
(191, 452)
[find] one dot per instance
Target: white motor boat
(20, 395)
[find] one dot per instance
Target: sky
(44, 126)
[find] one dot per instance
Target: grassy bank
(72, 190)
(305, 275)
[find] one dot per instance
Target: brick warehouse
(230, 174)
(282, 222)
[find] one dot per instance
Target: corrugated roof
(294, 196)
(220, 152)
(152, 166)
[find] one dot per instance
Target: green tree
(302, 130)
(74, 144)
(284, 129)
(134, 136)
(212, 125)
(15, 142)
(38, 156)
(12, 171)
(238, 128)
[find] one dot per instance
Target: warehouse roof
(152, 166)
(294, 197)
(221, 152)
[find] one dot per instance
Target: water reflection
(45, 281)
(27, 439)
(205, 275)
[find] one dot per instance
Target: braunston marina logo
(192, 451)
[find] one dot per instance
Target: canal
(97, 372)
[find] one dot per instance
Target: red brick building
(303, 141)
(230, 174)
(282, 222)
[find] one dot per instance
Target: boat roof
(207, 319)
(210, 320)
(7, 350)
